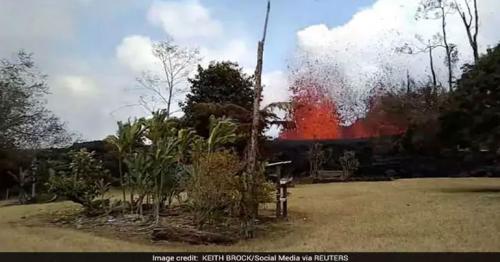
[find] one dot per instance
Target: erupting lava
(315, 117)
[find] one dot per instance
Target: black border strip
(245, 257)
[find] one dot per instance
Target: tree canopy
(221, 83)
(473, 118)
(25, 122)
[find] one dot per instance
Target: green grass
(403, 215)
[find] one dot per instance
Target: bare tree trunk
(252, 153)
(170, 82)
(170, 91)
(131, 188)
(407, 81)
(159, 188)
(433, 71)
(122, 182)
(475, 46)
(472, 37)
(447, 47)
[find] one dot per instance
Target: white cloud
(192, 25)
(78, 85)
(35, 25)
(136, 52)
(89, 102)
(78, 99)
(275, 87)
(187, 22)
(275, 90)
(367, 42)
(184, 20)
(233, 50)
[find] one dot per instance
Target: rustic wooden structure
(281, 189)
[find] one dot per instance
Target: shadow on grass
(8, 203)
(472, 190)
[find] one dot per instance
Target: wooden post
(285, 200)
(250, 178)
(7, 194)
(278, 191)
(33, 191)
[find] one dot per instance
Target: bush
(213, 188)
(349, 163)
(85, 181)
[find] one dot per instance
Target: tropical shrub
(85, 181)
(213, 187)
(216, 187)
(140, 171)
(128, 137)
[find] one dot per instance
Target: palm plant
(222, 132)
(140, 167)
(128, 137)
(164, 159)
(160, 126)
(163, 134)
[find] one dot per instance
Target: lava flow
(315, 117)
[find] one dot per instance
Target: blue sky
(100, 34)
(93, 50)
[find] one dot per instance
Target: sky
(93, 50)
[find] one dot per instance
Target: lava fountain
(314, 116)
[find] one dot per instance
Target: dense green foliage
(472, 117)
(85, 181)
(221, 83)
(25, 122)
(162, 160)
(128, 136)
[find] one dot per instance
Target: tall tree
(440, 9)
(175, 63)
(221, 83)
(471, 24)
(25, 122)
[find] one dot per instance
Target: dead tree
(440, 9)
(446, 45)
(250, 179)
(469, 19)
(176, 63)
(423, 48)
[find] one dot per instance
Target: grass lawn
(404, 215)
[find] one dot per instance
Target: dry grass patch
(402, 215)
